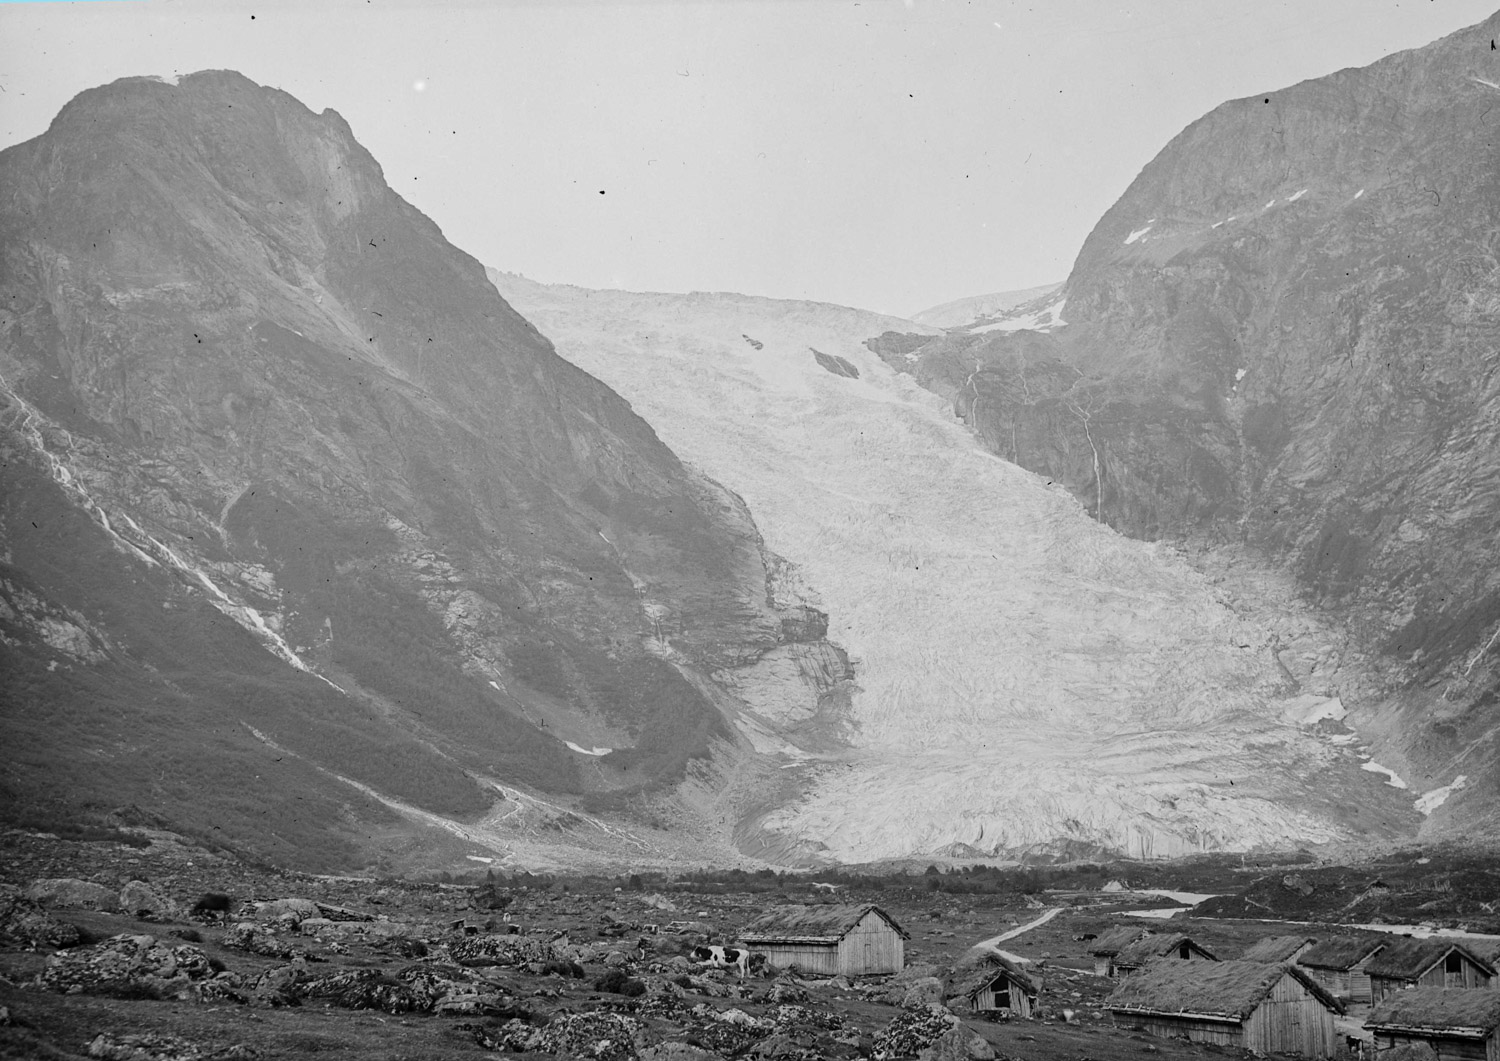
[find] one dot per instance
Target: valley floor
(280, 983)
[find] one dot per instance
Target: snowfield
(1027, 679)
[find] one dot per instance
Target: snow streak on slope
(1027, 678)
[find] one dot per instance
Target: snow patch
(1482, 81)
(1310, 710)
(1269, 205)
(1137, 234)
(588, 751)
(1042, 320)
(1161, 915)
(1394, 778)
(1359, 193)
(1240, 374)
(1294, 198)
(479, 858)
(1431, 801)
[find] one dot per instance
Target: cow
(723, 958)
(211, 905)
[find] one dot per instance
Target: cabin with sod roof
(1436, 962)
(992, 983)
(1456, 1024)
(1266, 1009)
(1142, 952)
(1108, 945)
(1274, 950)
(829, 940)
(1341, 964)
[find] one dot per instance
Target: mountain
(979, 309)
(1283, 338)
(1020, 680)
(310, 544)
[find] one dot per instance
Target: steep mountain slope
(1285, 333)
(307, 539)
(1023, 679)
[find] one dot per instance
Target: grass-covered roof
(1275, 949)
(1113, 941)
(1226, 990)
(1439, 1008)
(1405, 958)
(1340, 953)
(1156, 946)
(977, 972)
(811, 924)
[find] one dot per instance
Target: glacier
(1027, 679)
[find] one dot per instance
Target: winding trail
(989, 944)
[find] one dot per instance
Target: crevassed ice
(1024, 674)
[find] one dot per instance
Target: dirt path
(989, 944)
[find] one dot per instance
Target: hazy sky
(887, 154)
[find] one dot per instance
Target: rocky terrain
(103, 956)
(310, 543)
(1279, 346)
(1021, 681)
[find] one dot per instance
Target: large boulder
(917, 994)
(912, 1032)
(24, 923)
(129, 966)
(958, 1044)
(77, 894)
(138, 897)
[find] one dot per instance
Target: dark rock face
(290, 494)
(1286, 333)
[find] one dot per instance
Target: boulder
(912, 1032)
(918, 994)
(129, 965)
(254, 939)
(109, 1046)
(677, 1052)
(138, 897)
(24, 922)
(958, 1044)
(301, 909)
(69, 892)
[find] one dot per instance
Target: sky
(885, 154)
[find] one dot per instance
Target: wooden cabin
(1456, 1024)
(992, 983)
(1107, 946)
(1142, 952)
(829, 940)
(1436, 962)
(1262, 1008)
(1341, 965)
(1275, 950)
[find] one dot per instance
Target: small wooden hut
(1436, 962)
(1142, 952)
(829, 940)
(1274, 950)
(1341, 964)
(992, 983)
(1457, 1024)
(1107, 946)
(1257, 1007)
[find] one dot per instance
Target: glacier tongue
(1027, 679)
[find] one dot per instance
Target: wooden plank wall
(1199, 1031)
(1447, 1049)
(808, 957)
(1291, 1021)
(872, 946)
